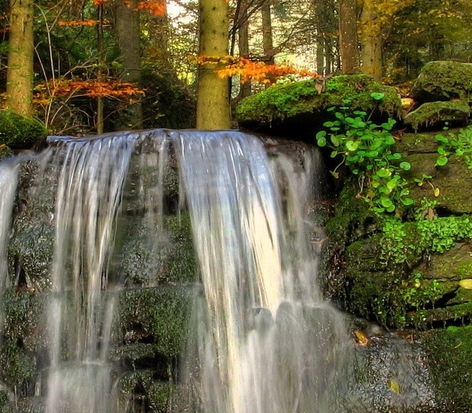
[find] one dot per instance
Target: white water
(8, 182)
(79, 315)
(265, 340)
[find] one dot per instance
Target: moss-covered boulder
(450, 360)
(19, 132)
(443, 80)
(447, 185)
(303, 105)
(431, 113)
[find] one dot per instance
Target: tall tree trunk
(20, 58)
(348, 36)
(320, 38)
(267, 34)
(371, 41)
(213, 108)
(267, 37)
(243, 45)
(128, 36)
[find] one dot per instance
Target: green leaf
(352, 145)
(441, 138)
(406, 166)
(328, 124)
(377, 95)
(335, 140)
(321, 140)
(384, 173)
(392, 183)
(386, 202)
(407, 201)
(441, 161)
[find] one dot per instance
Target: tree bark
(348, 36)
(213, 106)
(243, 45)
(20, 58)
(371, 41)
(128, 36)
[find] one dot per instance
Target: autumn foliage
(92, 88)
(250, 70)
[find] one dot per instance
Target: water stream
(262, 338)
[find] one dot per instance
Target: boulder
(443, 81)
(19, 132)
(303, 106)
(431, 113)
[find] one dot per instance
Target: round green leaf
(441, 161)
(383, 173)
(407, 201)
(321, 141)
(386, 202)
(406, 166)
(352, 145)
(377, 95)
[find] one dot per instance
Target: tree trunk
(213, 108)
(128, 37)
(20, 58)
(348, 36)
(243, 45)
(267, 35)
(371, 41)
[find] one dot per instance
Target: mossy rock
(144, 259)
(453, 180)
(443, 80)
(431, 113)
(157, 316)
(412, 143)
(449, 353)
(5, 152)
(19, 132)
(302, 104)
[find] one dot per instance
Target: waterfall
(266, 341)
(261, 336)
(8, 182)
(79, 315)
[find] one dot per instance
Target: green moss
(450, 361)
(144, 258)
(5, 152)
(443, 80)
(19, 132)
(353, 218)
(280, 102)
(158, 316)
(438, 112)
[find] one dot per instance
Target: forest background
(89, 66)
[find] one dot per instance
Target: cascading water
(266, 341)
(79, 314)
(262, 337)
